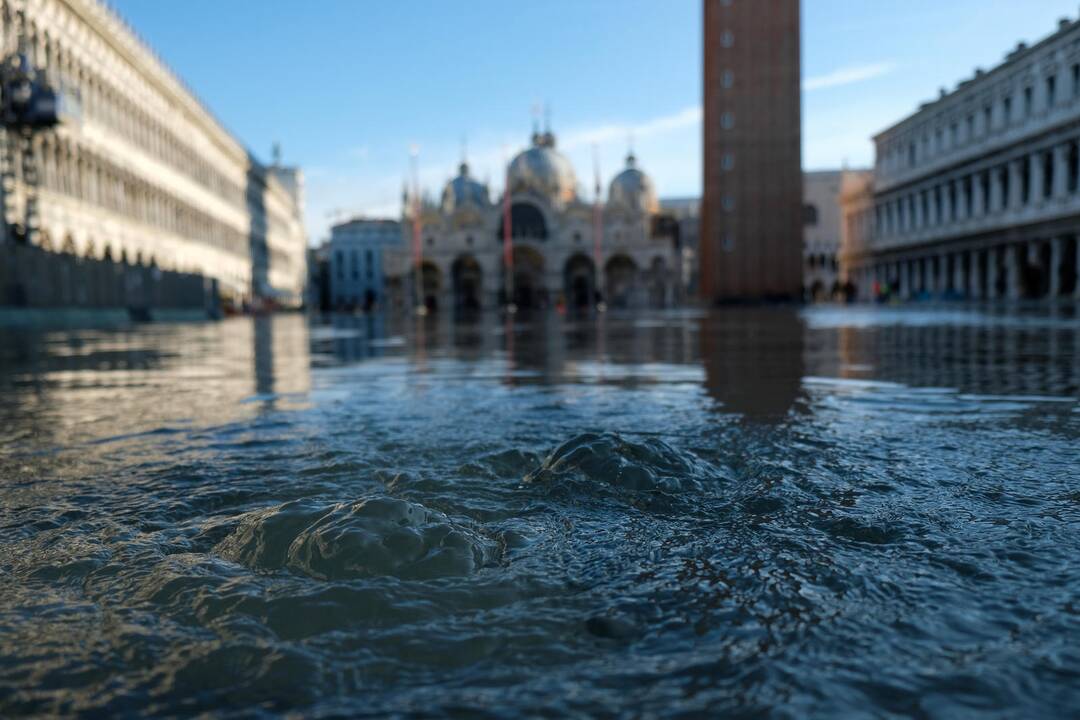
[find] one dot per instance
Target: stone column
(946, 206)
(961, 205)
(978, 202)
(1057, 257)
(996, 190)
(975, 276)
(1061, 171)
(959, 282)
(1015, 199)
(1012, 272)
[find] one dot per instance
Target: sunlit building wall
(142, 171)
(977, 194)
(822, 231)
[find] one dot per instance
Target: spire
(596, 169)
(536, 137)
(631, 160)
(548, 136)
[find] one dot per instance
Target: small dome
(543, 170)
(463, 192)
(633, 190)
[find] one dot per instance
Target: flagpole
(418, 248)
(508, 244)
(598, 230)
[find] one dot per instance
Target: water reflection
(63, 387)
(751, 362)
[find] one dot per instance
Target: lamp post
(28, 105)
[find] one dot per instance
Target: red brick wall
(758, 43)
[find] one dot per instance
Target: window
(1029, 101)
(727, 162)
(988, 119)
(1051, 91)
(810, 215)
(1007, 110)
(369, 264)
(911, 155)
(729, 243)
(354, 263)
(970, 127)
(954, 135)
(727, 39)
(727, 120)
(727, 79)
(1076, 79)
(728, 203)
(339, 262)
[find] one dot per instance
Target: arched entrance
(468, 283)
(529, 290)
(579, 282)
(620, 277)
(431, 282)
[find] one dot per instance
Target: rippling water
(751, 513)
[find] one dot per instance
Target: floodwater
(862, 512)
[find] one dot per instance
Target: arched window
(810, 214)
(526, 222)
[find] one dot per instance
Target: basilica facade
(554, 254)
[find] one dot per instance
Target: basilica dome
(543, 170)
(463, 191)
(633, 190)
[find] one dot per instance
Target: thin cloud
(689, 117)
(848, 75)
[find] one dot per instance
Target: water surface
(833, 512)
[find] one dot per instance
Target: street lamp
(28, 105)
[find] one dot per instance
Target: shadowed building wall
(751, 240)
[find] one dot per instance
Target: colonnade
(1042, 178)
(1011, 270)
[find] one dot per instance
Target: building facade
(751, 233)
(143, 173)
(355, 257)
(977, 194)
(565, 250)
(686, 212)
(822, 231)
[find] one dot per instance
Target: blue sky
(347, 86)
